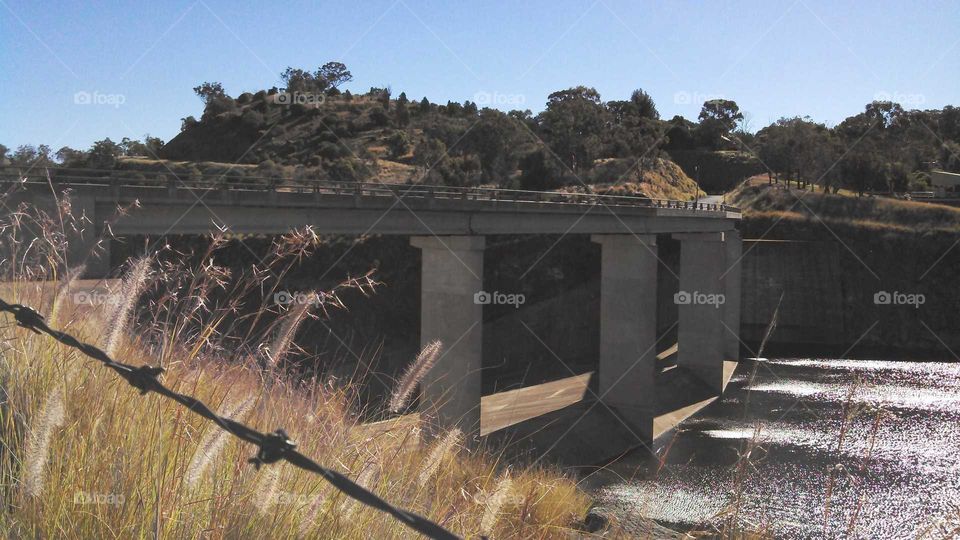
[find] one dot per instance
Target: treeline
(309, 126)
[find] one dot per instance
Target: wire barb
(273, 448)
(144, 378)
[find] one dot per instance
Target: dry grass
(85, 456)
(875, 214)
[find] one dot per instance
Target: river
(893, 477)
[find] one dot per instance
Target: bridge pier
(451, 274)
(80, 247)
(628, 326)
(701, 333)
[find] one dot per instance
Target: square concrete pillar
(83, 248)
(733, 294)
(628, 328)
(700, 303)
(452, 274)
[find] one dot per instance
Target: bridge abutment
(628, 326)
(701, 300)
(451, 276)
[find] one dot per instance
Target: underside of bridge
(628, 382)
(451, 236)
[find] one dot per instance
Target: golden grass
(121, 465)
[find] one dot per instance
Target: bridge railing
(307, 184)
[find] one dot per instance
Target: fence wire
(272, 447)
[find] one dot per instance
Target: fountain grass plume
(366, 479)
(130, 291)
(413, 375)
(266, 490)
(215, 440)
(437, 455)
(494, 504)
(62, 292)
(288, 329)
(50, 418)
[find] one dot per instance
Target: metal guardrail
(315, 186)
(272, 447)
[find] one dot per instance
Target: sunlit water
(896, 477)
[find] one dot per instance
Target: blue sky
(140, 60)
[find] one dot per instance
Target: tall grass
(84, 455)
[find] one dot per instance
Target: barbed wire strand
(272, 447)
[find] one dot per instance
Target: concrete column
(82, 247)
(452, 273)
(701, 306)
(733, 294)
(628, 328)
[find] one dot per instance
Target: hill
(376, 138)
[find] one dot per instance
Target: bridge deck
(171, 205)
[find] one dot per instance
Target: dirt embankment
(872, 274)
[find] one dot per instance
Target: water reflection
(895, 469)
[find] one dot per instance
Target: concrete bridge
(449, 226)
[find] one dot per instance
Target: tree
(402, 112)
(635, 129)
(297, 80)
(103, 154)
(27, 155)
(68, 157)
(333, 74)
(429, 152)
(643, 105)
(718, 117)
(153, 145)
(398, 144)
(950, 156)
(494, 139)
(573, 124)
(210, 92)
(3, 153)
(540, 171)
(424, 105)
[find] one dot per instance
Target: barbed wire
(272, 447)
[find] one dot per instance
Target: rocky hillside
(372, 136)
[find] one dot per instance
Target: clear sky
(138, 61)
